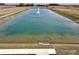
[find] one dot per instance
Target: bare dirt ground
(64, 45)
(71, 10)
(67, 11)
(6, 13)
(61, 49)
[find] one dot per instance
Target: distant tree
(31, 4)
(75, 5)
(40, 5)
(53, 4)
(21, 4)
(2, 4)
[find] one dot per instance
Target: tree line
(29, 4)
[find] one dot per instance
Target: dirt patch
(8, 13)
(67, 11)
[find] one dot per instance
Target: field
(68, 39)
(67, 49)
(68, 44)
(62, 44)
(70, 12)
(7, 13)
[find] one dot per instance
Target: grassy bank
(68, 49)
(19, 10)
(10, 13)
(67, 11)
(73, 17)
(66, 39)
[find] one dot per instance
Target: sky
(39, 1)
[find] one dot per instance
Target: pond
(40, 21)
(39, 25)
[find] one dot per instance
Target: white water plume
(38, 11)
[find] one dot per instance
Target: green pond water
(40, 21)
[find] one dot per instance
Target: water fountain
(38, 11)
